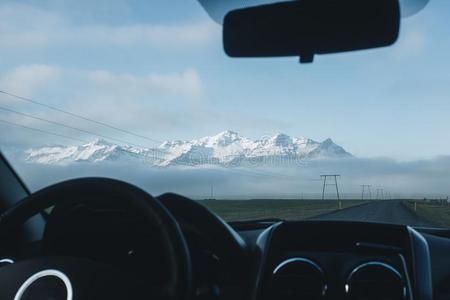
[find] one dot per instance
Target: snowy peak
(328, 149)
(95, 151)
(227, 148)
(281, 140)
(223, 139)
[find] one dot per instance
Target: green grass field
(435, 212)
(241, 210)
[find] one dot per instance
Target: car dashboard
(267, 259)
(342, 260)
(347, 260)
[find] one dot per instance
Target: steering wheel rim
(114, 191)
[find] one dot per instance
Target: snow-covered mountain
(227, 148)
(96, 151)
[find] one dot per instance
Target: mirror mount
(306, 58)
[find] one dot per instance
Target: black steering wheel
(75, 278)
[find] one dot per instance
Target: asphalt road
(378, 211)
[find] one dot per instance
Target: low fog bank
(414, 179)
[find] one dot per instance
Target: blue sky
(157, 68)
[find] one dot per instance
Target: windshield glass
(142, 91)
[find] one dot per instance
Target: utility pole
(380, 193)
(364, 186)
(212, 192)
(335, 177)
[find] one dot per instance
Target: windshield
(142, 91)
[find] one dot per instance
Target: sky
(158, 68)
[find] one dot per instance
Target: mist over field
(412, 179)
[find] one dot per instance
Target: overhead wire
(239, 171)
(17, 97)
(41, 130)
(68, 126)
(79, 116)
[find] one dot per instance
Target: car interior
(102, 238)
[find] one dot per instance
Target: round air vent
(375, 281)
(298, 278)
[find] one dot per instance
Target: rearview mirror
(308, 27)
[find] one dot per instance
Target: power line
(69, 127)
(242, 172)
(97, 134)
(54, 108)
(42, 131)
(111, 138)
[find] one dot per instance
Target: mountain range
(227, 149)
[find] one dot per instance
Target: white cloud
(144, 35)
(415, 179)
(153, 102)
(27, 79)
(27, 26)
